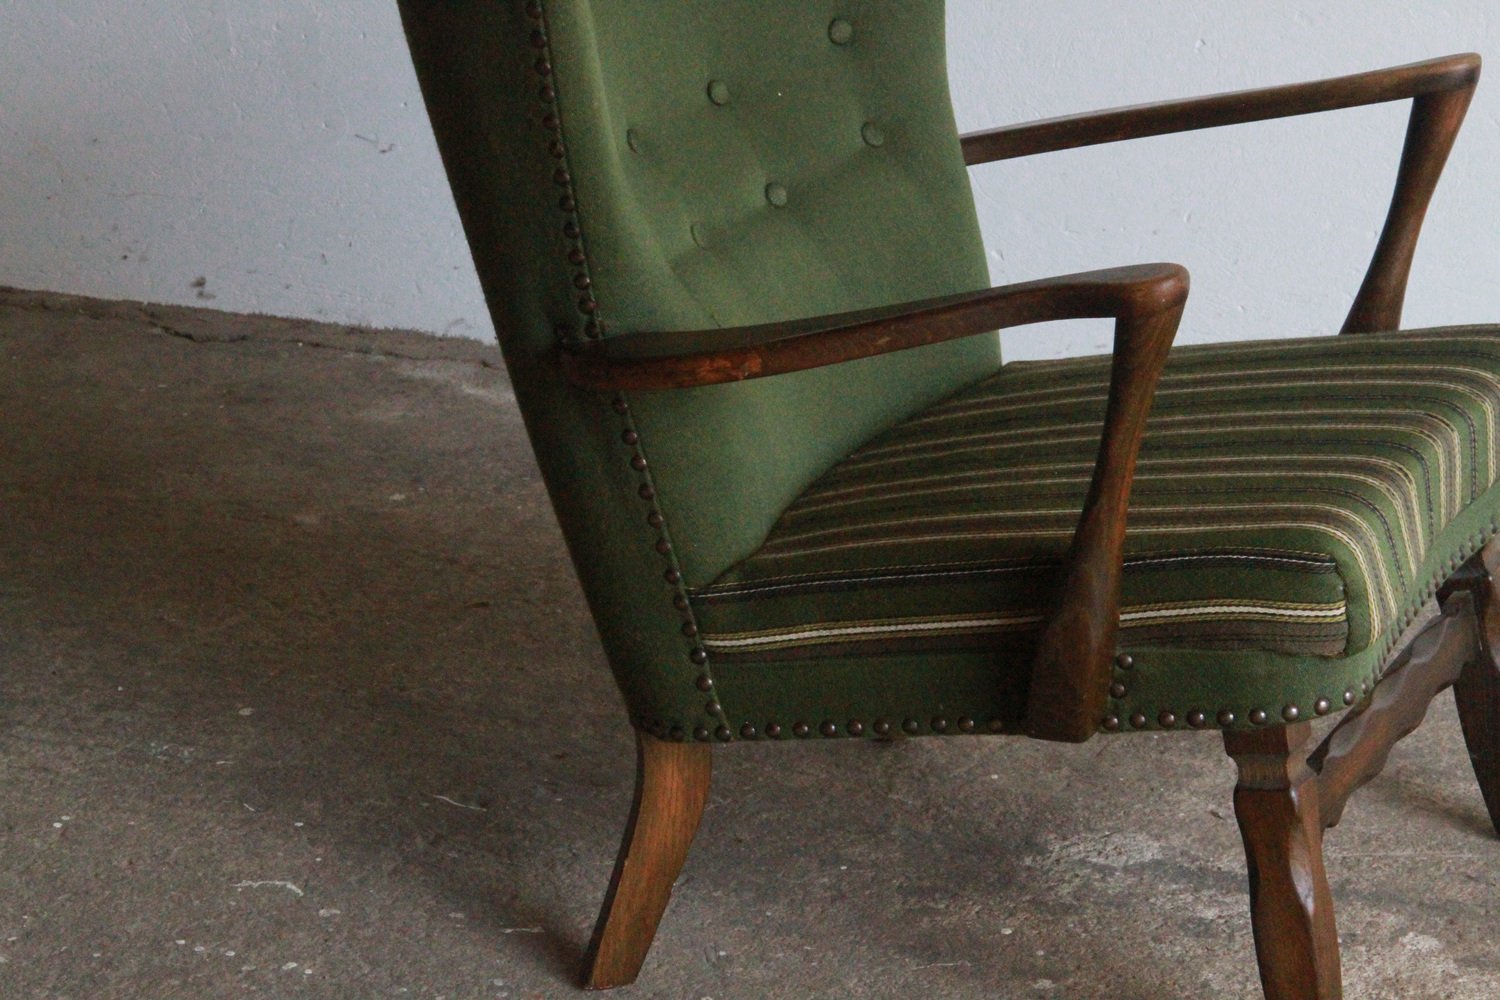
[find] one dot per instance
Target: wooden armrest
(1441, 88)
(1071, 672)
(1449, 73)
(675, 360)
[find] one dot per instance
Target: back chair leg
(1477, 691)
(1291, 909)
(670, 792)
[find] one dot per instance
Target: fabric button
(872, 134)
(718, 92)
(840, 31)
(776, 194)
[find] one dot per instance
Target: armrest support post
(1435, 121)
(1071, 672)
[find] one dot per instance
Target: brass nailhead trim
(1226, 718)
(1112, 723)
(1138, 721)
(588, 306)
(1258, 717)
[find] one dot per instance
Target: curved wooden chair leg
(1291, 909)
(1477, 691)
(671, 790)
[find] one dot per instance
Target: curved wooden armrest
(1442, 89)
(676, 360)
(1450, 73)
(1071, 672)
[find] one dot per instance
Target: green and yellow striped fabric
(1298, 497)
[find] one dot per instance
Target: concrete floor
(298, 698)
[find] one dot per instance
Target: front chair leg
(671, 790)
(1477, 691)
(1291, 909)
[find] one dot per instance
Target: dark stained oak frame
(1286, 797)
(1440, 90)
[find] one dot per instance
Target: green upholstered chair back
(628, 165)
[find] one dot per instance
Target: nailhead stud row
(630, 437)
(830, 729)
(1197, 719)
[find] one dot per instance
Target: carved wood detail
(1478, 689)
(1358, 749)
(1291, 908)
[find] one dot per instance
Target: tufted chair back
(630, 165)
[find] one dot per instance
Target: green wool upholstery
(742, 162)
(1294, 500)
(624, 166)
(868, 548)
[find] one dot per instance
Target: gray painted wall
(275, 157)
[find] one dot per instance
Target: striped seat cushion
(1299, 497)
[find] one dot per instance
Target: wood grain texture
(1441, 89)
(682, 359)
(1070, 674)
(1357, 750)
(1450, 73)
(670, 793)
(1477, 691)
(1291, 908)
(1435, 120)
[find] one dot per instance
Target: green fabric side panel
(988, 687)
(938, 694)
(476, 66)
(672, 192)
